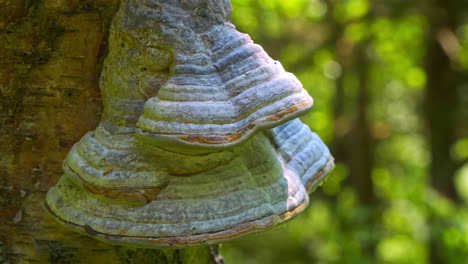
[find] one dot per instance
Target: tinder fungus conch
(199, 141)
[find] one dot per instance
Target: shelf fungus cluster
(199, 140)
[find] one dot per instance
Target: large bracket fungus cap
(198, 142)
(214, 86)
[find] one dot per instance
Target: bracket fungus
(199, 140)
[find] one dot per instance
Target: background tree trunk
(51, 54)
(360, 142)
(441, 102)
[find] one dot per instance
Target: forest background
(390, 84)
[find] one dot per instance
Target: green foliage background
(336, 47)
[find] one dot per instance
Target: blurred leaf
(461, 180)
(460, 149)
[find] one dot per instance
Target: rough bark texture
(51, 54)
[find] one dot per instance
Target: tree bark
(51, 54)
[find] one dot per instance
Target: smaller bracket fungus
(199, 140)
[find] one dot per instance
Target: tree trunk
(361, 158)
(441, 99)
(51, 54)
(441, 103)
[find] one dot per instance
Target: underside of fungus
(199, 141)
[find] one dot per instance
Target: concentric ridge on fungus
(198, 142)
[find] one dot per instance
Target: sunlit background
(390, 84)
